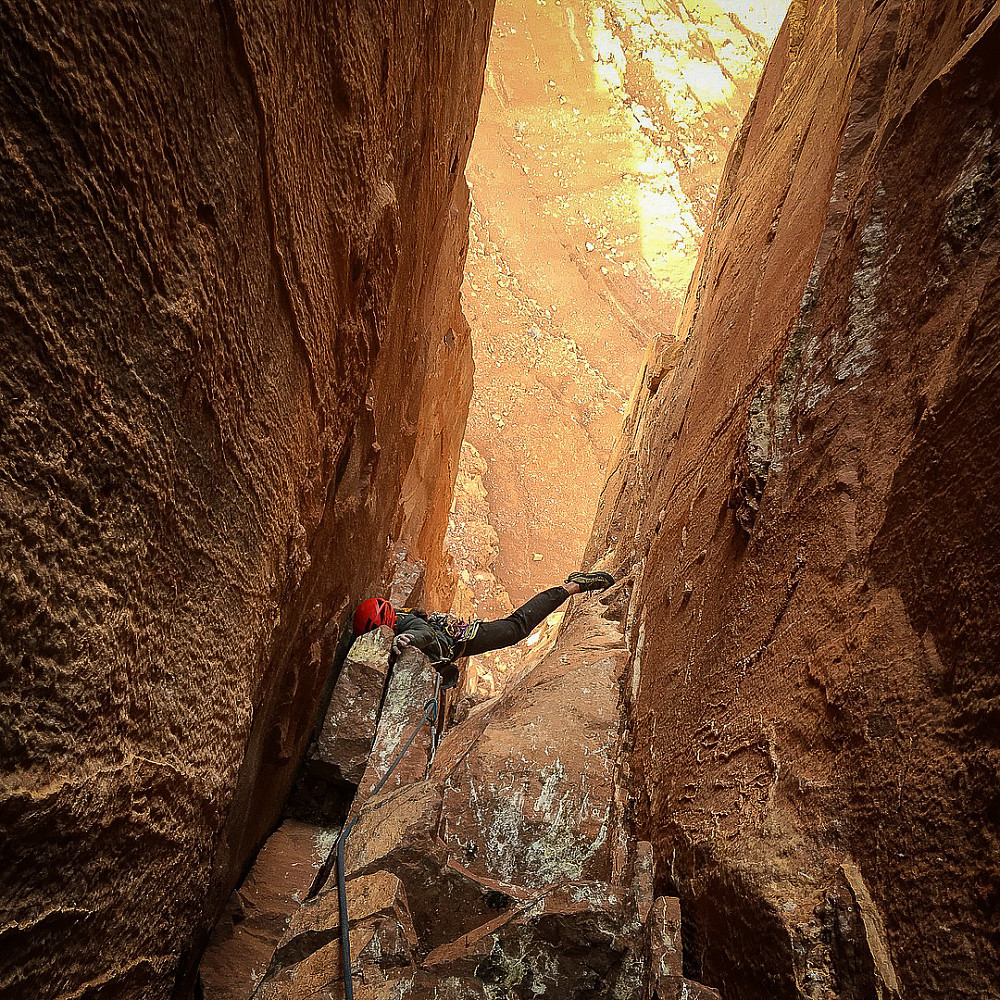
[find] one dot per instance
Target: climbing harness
(457, 630)
(337, 852)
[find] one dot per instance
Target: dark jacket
(435, 643)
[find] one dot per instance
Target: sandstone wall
(806, 495)
(491, 865)
(601, 139)
(234, 241)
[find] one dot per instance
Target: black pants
(517, 625)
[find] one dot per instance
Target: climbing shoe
(591, 581)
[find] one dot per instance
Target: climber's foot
(591, 581)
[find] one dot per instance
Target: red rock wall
(425, 506)
(806, 493)
(235, 236)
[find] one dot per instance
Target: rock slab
(806, 504)
(345, 741)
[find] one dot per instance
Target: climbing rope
(430, 708)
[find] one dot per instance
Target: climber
(445, 638)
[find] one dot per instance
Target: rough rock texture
(806, 497)
(256, 917)
(309, 958)
(412, 686)
(486, 875)
(665, 944)
(234, 239)
(545, 752)
(423, 514)
(345, 740)
(601, 140)
(337, 758)
(406, 589)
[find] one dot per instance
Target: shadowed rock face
(808, 503)
(234, 237)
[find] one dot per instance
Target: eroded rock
(236, 235)
(409, 697)
(409, 581)
(807, 503)
(258, 914)
(344, 744)
(528, 778)
(398, 832)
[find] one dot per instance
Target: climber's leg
(518, 624)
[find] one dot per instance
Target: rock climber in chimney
(445, 638)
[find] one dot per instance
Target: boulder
(308, 958)
(317, 921)
(343, 747)
(258, 913)
(412, 684)
(398, 833)
(534, 824)
(567, 942)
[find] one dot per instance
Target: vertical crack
(237, 43)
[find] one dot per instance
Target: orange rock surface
(601, 137)
(805, 499)
(235, 235)
(499, 868)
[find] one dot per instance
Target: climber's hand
(400, 643)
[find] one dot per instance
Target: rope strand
(430, 708)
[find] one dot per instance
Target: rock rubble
(481, 875)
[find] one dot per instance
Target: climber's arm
(412, 630)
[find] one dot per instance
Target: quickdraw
(457, 630)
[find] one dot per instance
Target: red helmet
(372, 613)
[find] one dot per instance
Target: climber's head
(372, 613)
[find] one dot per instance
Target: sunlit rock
(803, 501)
(603, 133)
